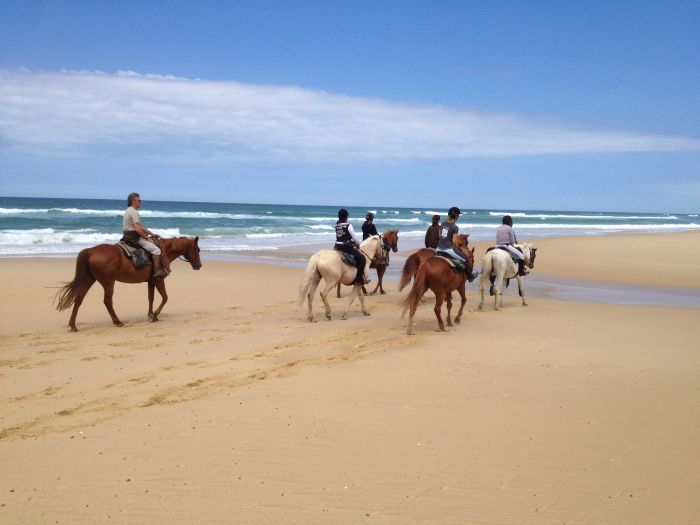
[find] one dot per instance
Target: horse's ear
(472, 250)
(196, 238)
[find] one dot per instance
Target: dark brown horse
(390, 240)
(436, 274)
(106, 263)
(417, 258)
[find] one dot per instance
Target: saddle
(349, 258)
(513, 257)
(456, 265)
(139, 256)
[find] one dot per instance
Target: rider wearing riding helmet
(448, 229)
(505, 238)
(346, 240)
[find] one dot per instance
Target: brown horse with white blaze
(437, 275)
(106, 264)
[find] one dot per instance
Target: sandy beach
(234, 409)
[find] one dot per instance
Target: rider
(505, 238)
(368, 227)
(432, 235)
(136, 233)
(448, 229)
(346, 240)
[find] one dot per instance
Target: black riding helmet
(343, 214)
(453, 212)
(507, 219)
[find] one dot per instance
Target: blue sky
(519, 105)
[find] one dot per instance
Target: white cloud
(84, 113)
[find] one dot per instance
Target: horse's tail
(308, 279)
(410, 267)
(83, 280)
(486, 271)
(420, 286)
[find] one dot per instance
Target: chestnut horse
(436, 274)
(106, 263)
(390, 241)
(417, 258)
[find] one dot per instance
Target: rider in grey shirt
(505, 238)
(449, 229)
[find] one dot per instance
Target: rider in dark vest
(449, 229)
(346, 240)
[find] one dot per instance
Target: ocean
(42, 227)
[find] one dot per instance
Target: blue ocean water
(41, 227)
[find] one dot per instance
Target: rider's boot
(158, 270)
(521, 268)
(473, 275)
(360, 279)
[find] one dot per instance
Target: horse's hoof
(525, 304)
(367, 314)
(154, 319)
(328, 316)
(119, 324)
(458, 320)
(73, 329)
(382, 292)
(343, 317)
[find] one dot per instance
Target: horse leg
(362, 304)
(355, 291)
(324, 297)
(160, 286)
(498, 298)
(338, 292)
(448, 300)
(76, 305)
(482, 286)
(310, 297)
(109, 292)
(463, 296)
(380, 275)
(151, 295)
(439, 297)
(521, 288)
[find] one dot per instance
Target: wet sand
(234, 409)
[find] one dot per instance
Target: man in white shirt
(136, 233)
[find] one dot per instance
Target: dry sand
(234, 409)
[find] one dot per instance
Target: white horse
(330, 265)
(500, 264)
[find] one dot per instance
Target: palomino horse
(499, 264)
(417, 258)
(330, 265)
(390, 241)
(106, 263)
(436, 274)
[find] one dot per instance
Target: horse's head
(188, 249)
(529, 253)
(391, 240)
(461, 243)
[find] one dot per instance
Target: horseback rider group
(438, 236)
